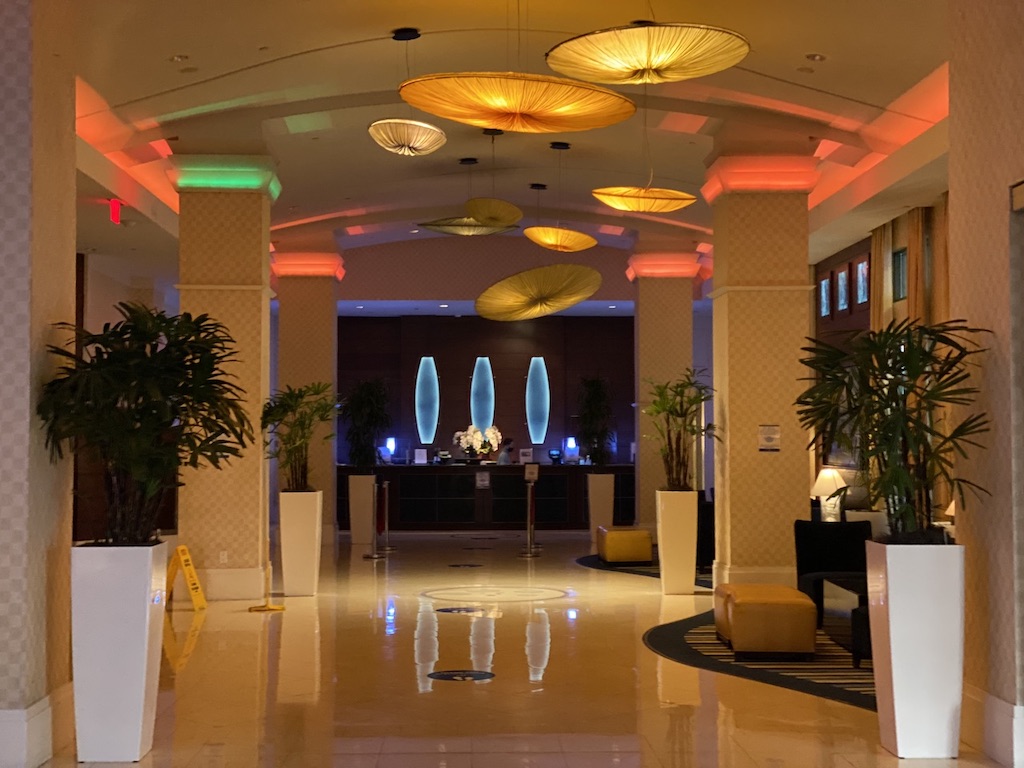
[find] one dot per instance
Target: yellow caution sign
(181, 559)
(178, 657)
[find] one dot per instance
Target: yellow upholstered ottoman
(622, 544)
(765, 619)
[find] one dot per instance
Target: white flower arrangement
(472, 440)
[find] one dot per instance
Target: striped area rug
(831, 674)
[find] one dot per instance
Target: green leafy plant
(149, 394)
(291, 417)
(365, 409)
(892, 395)
(677, 410)
(595, 414)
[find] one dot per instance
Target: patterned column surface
(762, 314)
(37, 268)
(307, 347)
(664, 349)
(224, 272)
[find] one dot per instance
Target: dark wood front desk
(449, 497)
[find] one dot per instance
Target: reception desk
(453, 497)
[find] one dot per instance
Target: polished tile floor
(343, 679)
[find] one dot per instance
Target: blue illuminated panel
(538, 400)
(481, 394)
(428, 400)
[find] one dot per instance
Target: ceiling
(300, 81)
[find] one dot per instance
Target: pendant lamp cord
(647, 145)
(493, 169)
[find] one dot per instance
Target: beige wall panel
(37, 268)
(663, 330)
(307, 351)
(985, 271)
(224, 242)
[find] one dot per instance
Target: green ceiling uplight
(247, 173)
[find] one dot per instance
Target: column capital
(760, 173)
(228, 173)
(307, 265)
(680, 264)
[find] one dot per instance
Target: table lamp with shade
(829, 481)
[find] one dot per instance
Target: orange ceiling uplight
(644, 199)
(560, 239)
(538, 292)
(515, 101)
(648, 52)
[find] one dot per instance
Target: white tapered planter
(677, 541)
(362, 508)
(117, 611)
(600, 503)
(301, 526)
(916, 607)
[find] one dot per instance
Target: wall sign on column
(538, 400)
(428, 400)
(481, 394)
(769, 438)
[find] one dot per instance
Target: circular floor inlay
(461, 675)
(494, 593)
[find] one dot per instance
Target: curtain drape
(880, 276)
(939, 294)
(917, 265)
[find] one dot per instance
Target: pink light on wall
(115, 210)
(662, 265)
(771, 173)
(308, 265)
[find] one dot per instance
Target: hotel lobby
(342, 185)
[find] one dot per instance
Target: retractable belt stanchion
(387, 519)
(531, 548)
(376, 554)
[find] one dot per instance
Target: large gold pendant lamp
(648, 52)
(558, 238)
(497, 219)
(517, 101)
(538, 292)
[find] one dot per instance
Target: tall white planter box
(362, 508)
(117, 607)
(300, 541)
(600, 503)
(677, 541)
(916, 606)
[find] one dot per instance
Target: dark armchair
(829, 551)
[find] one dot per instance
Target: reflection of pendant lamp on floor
(558, 238)
(402, 135)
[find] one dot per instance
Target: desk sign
(532, 472)
(483, 480)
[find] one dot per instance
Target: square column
(663, 332)
(224, 257)
(37, 289)
(307, 348)
(762, 316)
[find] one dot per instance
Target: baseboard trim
(723, 573)
(26, 735)
(994, 726)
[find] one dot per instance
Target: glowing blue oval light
(481, 394)
(538, 400)
(428, 400)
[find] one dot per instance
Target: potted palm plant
(677, 412)
(902, 396)
(594, 433)
(147, 395)
(291, 419)
(365, 410)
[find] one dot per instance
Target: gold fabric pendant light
(648, 52)
(465, 226)
(644, 199)
(538, 292)
(558, 238)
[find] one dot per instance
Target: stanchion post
(387, 519)
(376, 553)
(531, 548)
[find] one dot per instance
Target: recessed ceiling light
(414, 231)
(815, 57)
(611, 306)
(359, 307)
(178, 58)
(443, 306)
